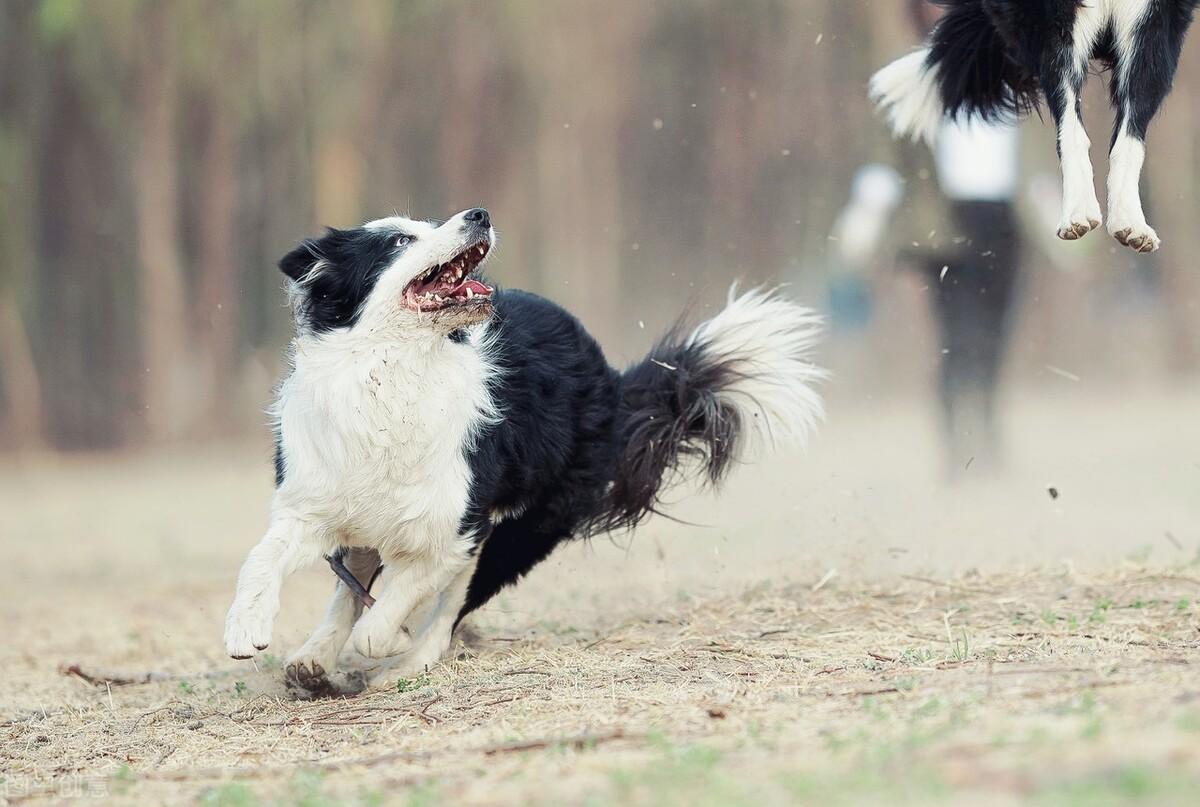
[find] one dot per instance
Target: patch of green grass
(1182, 605)
(124, 779)
(960, 647)
(914, 786)
(186, 688)
(1099, 613)
(239, 688)
(680, 775)
(917, 656)
(230, 794)
(412, 684)
(306, 789)
(425, 794)
(1123, 785)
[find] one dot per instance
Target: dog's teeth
(470, 293)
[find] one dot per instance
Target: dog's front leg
(310, 666)
(288, 544)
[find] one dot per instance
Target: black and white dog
(445, 436)
(996, 58)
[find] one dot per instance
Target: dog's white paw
(247, 630)
(379, 638)
(1139, 237)
(1078, 224)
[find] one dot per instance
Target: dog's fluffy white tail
(907, 90)
(765, 342)
(740, 381)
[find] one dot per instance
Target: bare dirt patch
(822, 639)
(1048, 684)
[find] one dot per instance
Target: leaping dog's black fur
(999, 58)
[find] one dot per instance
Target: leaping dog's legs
(1063, 84)
(1146, 59)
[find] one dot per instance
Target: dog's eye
(404, 240)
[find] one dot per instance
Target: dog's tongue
(476, 288)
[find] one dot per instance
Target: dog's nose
(479, 216)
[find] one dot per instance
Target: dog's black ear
(299, 262)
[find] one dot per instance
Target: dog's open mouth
(450, 284)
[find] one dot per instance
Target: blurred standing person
(974, 277)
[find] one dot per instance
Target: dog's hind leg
(1062, 83)
(310, 667)
(432, 638)
(1147, 53)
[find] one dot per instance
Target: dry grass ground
(823, 641)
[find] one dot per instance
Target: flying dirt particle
(1053, 491)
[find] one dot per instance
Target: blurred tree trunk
(21, 421)
(219, 294)
(164, 321)
(578, 157)
(1172, 170)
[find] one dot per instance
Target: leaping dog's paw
(246, 633)
(1139, 239)
(1077, 228)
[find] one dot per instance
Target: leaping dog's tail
(702, 400)
(971, 66)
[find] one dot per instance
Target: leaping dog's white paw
(377, 638)
(247, 631)
(1138, 237)
(1077, 225)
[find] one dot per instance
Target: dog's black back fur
(583, 449)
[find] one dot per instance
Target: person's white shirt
(977, 161)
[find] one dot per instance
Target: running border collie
(996, 58)
(442, 437)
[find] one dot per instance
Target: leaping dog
(998, 58)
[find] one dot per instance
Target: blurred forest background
(156, 158)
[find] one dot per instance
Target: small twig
(880, 656)
(347, 577)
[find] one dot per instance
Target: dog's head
(393, 273)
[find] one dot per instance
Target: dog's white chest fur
(374, 435)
